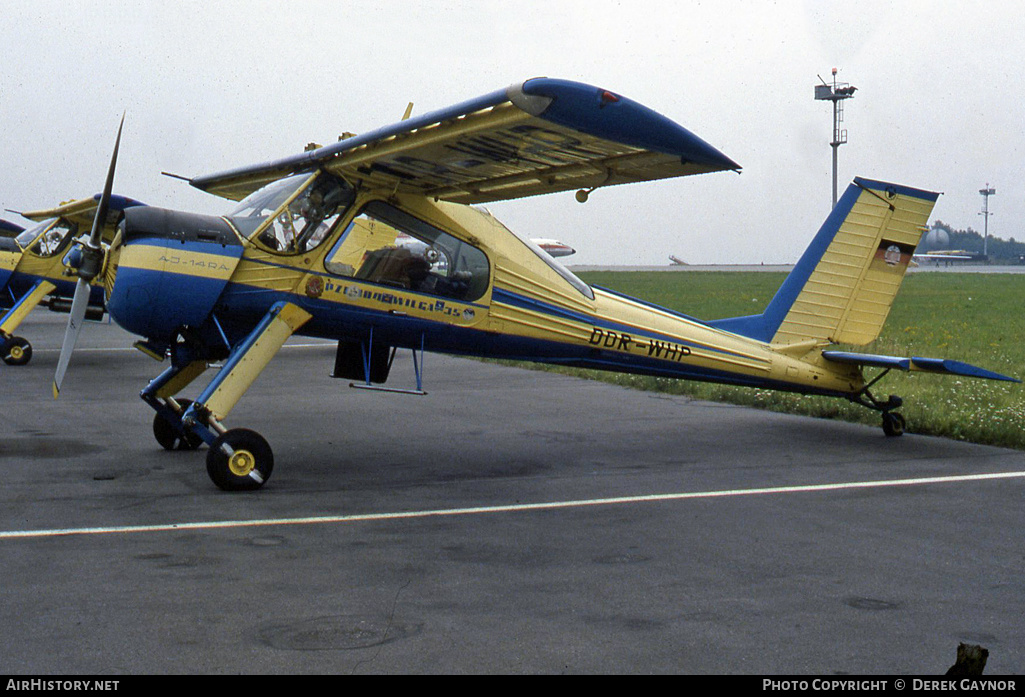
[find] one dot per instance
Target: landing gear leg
(240, 459)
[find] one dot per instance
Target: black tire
(893, 424)
(170, 436)
(18, 351)
(248, 468)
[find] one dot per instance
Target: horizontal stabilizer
(928, 365)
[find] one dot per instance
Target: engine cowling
(172, 268)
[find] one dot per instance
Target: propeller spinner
(87, 266)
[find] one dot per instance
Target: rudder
(842, 288)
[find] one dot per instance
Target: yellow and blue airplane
(312, 249)
(32, 269)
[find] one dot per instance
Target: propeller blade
(78, 308)
(101, 211)
(92, 262)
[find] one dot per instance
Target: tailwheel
(239, 460)
(174, 436)
(18, 351)
(893, 424)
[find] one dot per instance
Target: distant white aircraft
(946, 256)
(554, 247)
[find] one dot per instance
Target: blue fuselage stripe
(511, 299)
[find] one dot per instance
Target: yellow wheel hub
(241, 463)
(17, 353)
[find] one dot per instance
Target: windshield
(46, 238)
(265, 201)
(24, 239)
(293, 215)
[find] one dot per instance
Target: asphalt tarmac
(511, 521)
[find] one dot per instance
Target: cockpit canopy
(47, 238)
(293, 215)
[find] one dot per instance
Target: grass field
(973, 317)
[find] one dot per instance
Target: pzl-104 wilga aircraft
(311, 250)
(32, 272)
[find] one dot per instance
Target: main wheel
(18, 351)
(170, 437)
(893, 424)
(239, 460)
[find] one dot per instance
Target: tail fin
(843, 286)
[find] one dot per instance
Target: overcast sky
(209, 86)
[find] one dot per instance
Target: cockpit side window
(388, 246)
(295, 214)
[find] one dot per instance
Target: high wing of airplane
(32, 268)
(317, 247)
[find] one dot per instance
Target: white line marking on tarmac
(512, 508)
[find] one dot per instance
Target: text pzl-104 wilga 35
(376, 241)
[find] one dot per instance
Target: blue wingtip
(613, 116)
(942, 365)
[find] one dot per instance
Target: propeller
(88, 267)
